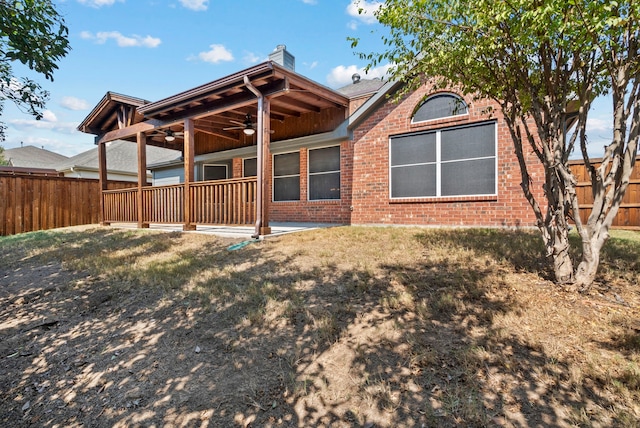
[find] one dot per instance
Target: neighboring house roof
(361, 87)
(122, 157)
(33, 157)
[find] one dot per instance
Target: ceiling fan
(247, 126)
(169, 135)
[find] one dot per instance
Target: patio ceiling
(225, 103)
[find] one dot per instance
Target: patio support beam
(142, 176)
(102, 179)
(189, 149)
(262, 209)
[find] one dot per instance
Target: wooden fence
(629, 213)
(29, 202)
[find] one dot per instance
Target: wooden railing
(120, 205)
(228, 202)
(224, 202)
(164, 204)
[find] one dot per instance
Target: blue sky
(152, 49)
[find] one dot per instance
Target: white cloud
(102, 37)
(363, 10)
(99, 3)
(341, 75)
(195, 4)
(216, 54)
(250, 58)
(64, 147)
(598, 125)
(49, 122)
(310, 1)
(73, 103)
(352, 25)
(49, 116)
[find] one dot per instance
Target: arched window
(440, 106)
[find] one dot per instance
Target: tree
(543, 62)
(3, 161)
(33, 33)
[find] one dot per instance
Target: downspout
(260, 168)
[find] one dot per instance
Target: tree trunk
(562, 264)
(586, 271)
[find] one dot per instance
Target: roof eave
(85, 125)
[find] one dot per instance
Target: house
(31, 160)
(268, 144)
(122, 165)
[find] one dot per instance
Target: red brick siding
(364, 169)
(371, 197)
(317, 211)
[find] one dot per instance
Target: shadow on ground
(109, 328)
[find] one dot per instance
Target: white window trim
(438, 162)
(273, 176)
(309, 174)
(443, 117)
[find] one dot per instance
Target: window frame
(244, 167)
(339, 172)
(226, 171)
(432, 96)
(438, 163)
(273, 177)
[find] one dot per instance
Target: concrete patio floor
(240, 232)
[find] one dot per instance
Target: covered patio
(238, 117)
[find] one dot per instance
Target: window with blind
(440, 106)
(250, 167)
(286, 177)
(214, 172)
(458, 161)
(324, 173)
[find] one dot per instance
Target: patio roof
(114, 110)
(221, 104)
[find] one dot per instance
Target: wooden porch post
(142, 177)
(102, 179)
(265, 127)
(189, 148)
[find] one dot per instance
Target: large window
(448, 162)
(440, 106)
(324, 173)
(286, 177)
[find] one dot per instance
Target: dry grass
(338, 327)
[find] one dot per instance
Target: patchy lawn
(342, 327)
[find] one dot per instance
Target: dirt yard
(344, 327)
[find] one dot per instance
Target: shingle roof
(122, 156)
(33, 157)
(361, 87)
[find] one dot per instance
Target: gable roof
(112, 110)
(33, 157)
(122, 156)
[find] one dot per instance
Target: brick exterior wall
(370, 186)
(333, 211)
(364, 168)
